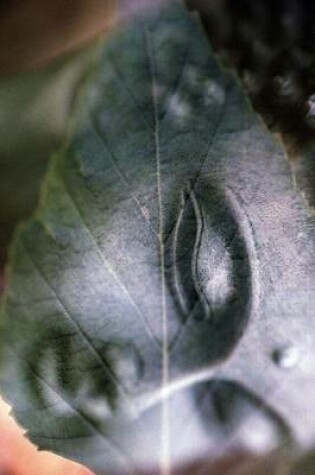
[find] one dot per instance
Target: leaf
(159, 306)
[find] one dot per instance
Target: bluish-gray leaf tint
(171, 261)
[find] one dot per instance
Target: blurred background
(46, 48)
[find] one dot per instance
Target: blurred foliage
(271, 43)
(33, 32)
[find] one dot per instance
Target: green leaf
(159, 306)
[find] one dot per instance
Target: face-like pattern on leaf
(159, 302)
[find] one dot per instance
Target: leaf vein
(77, 325)
(107, 264)
(121, 174)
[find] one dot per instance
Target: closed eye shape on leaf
(239, 418)
(213, 269)
(78, 380)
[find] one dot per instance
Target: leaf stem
(165, 465)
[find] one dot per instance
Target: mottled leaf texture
(160, 302)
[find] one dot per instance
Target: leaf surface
(158, 300)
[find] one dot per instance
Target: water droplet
(213, 92)
(286, 357)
